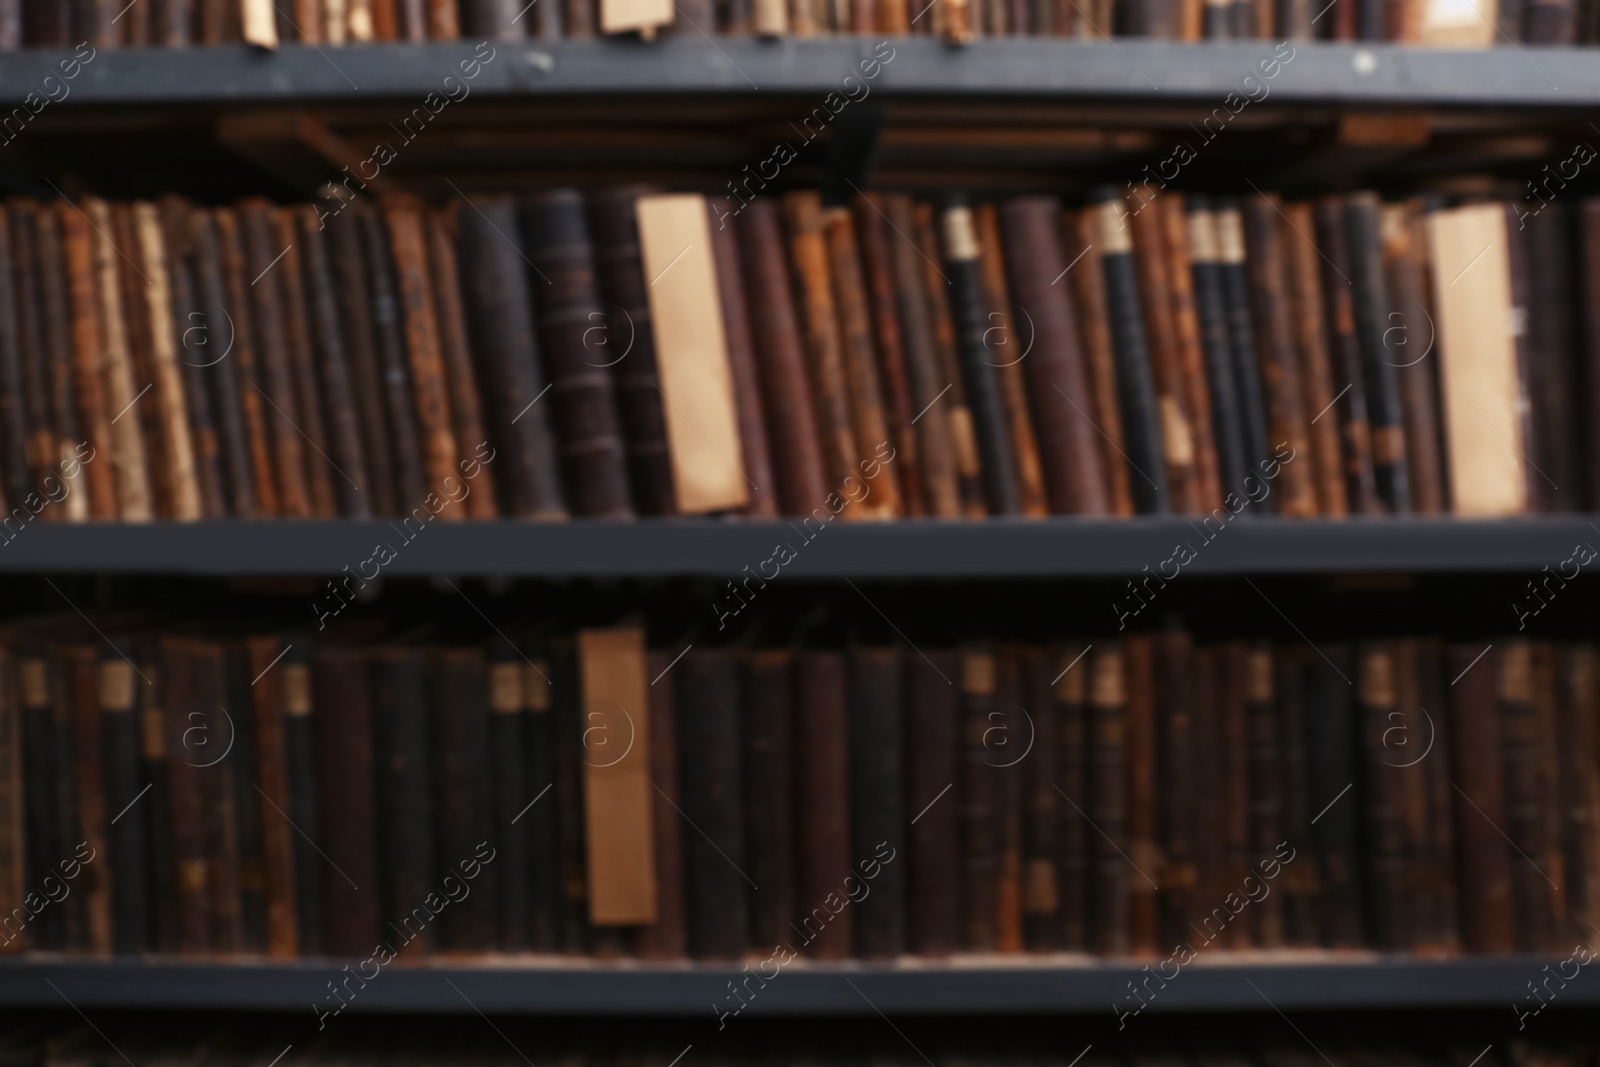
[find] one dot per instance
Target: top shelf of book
(1133, 70)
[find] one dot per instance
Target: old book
(958, 415)
(347, 257)
(1174, 229)
(786, 398)
(1311, 347)
(443, 20)
(1234, 278)
(1107, 791)
(617, 793)
(13, 816)
(346, 448)
(544, 861)
(931, 768)
(770, 18)
(869, 414)
(1007, 341)
(1478, 379)
(1386, 860)
(413, 19)
(1007, 727)
(1331, 736)
(260, 23)
(578, 19)
(495, 288)
(667, 937)
(347, 800)
(877, 799)
(1552, 382)
(755, 456)
(643, 16)
(496, 20)
(1058, 382)
(220, 815)
(320, 469)
(1453, 24)
(1521, 272)
(78, 705)
(1206, 789)
(270, 774)
(1234, 757)
(1177, 873)
(877, 264)
(1071, 769)
(466, 405)
(287, 463)
(1361, 489)
(239, 429)
(1233, 461)
(1140, 754)
(1287, 422)
(936, 449)
(464, 785)
(1579, 777)
(16, 477)
(1488, 916)
(1043, 807)
(243, 389)
(1080, 238)
(623, 274)
(767, 711)
(1524, 770)
(1180, 447)
(1141, 418)
(185, 798)
(509, 796)
(87, 358)
(59, 356)
(822, 799)
(978, 790)
(176, 443)
(568, 724)
(691, 349)
(32, 354)
(711, 786)
(406, 796)
(1405, 272)
(393, 366)
(1371, 302)
(588, 429)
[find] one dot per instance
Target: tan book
(1478, 380)
(260, 22)
(127, 443)
(691, 353)
(645, 16)
(771, 18)
(1452, 24)
(619, 841)
(177, 444)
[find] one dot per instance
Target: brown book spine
(1306, 304)
(1264, 753)
(1233, 737)
(1088, 281)
(796, 451)
(1176, 794)
(388, 329)
(186, 799)
(1141, 755)
(347, 796)
(1108, 904)
(444, 23)
(495, 20)
(321, 471)
(172, 214)
(271, 776)
(59, 354)
(1553, 384)
(25, 274)
(351, 291)
(235, 399)
(16, 477)
(1361, 491)
(466, 408)
(1280, 374)
(1043, 807)
(1391, 469)
(1488, 921)
(1577, 723)
(1071, 784)
(344, 431)
(933, 740)
(408, 246)
(1405, 349)
(667, 937)
(1589, 239)
(81, 683)
(867, 407)
(767, 714)
(1550, 21)
(133, 278)
(1191, 356)
(1180, 447)
(1524, 769)
(282, 419)
(243, 259)
(979, 791)
(87, 360)
(754, 454)
(958, 413)
(877, 264)
(822, 798)
(1010, 797)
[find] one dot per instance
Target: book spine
(26, 268)
(1234, 277)
(1265, 758)
(959, 418)
(1233, 462)
(1174, 228)
(1404, 276)
(1579, 775)
(270, 774)
(1080, 236)
(346, 450)
(1524, 771)
(406, 809)
(495, 20)
(410, 479)
(1305, 299)
(769, 760)
(1371, 303)
(588, 429)
(222, 816)
(877, 800)
(1107, 790)
(346, 799)
(80, 704)
(352, 293)
(1488, 917)
(1140, 752)
(177, 444)
(1071, 783)
(41, 834)
(13, 811)
(16, 479)
(320, 469)
(1590, 242)
(1010, 797)
(1553, 385)
(1175, 813)
(509, 793)
(119, 733)
(242, 389)
(466, 406)
(1361, 489)
(979, 790)
(1520, 272)
(186, 799)
(933, 735)
(464, 786)
(86, 357)
(293, 498)
(877, 262)
(1155, 295)
(213, 299)
(1044, 808)
(822, 800)
(754, 448)
(668, 937)
(711, 785)
(305, 865)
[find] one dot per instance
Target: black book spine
(768, 705)
(1227, 428)
(508, 769)
(708, 731)
(566, 708)
(463, 787)
(1251, 407)
(544, 818)
(41, 819)
(877, 800)
(1331, 737)
(405, 795)
(393, 365)
(1384, 412)
(119, 731)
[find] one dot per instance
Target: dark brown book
(56, 308)
(878, 265)
(667, 937)
(1304, 283)
(1175, 801)
(92, 417)
(1405, 276)
(1206, 791)
(496, 292)
(346, 448)
(495, 20)
(1371, 305)
(1233, 749)
(444, 21)
(393, 365)
(48, 24)
(1392, 903)
(130, 468)
(1080, 237)
(1550, 21)
(1287, 422)
(1179, 448)
(786, 398)
(1361, 491)
(242, 388)
(270, 696)
(1234, 278)
(32, 354)
(276, 385)
(619, 264)
(822, 805)
(347, 798)
(118, 698)
(1233, 461)
(933, 744)
(711, 786)
(1299, 881)
(186, 799)
(1071, 784)
(1140, 752)
(1589, 227)
(1577, 720)
(321, 473)
(466, 406)
(16, 474)
(877, 800)
(1524, 770)
(1552, 381)
(578, 19)
(79, 700)
(978, 790)
(347, 258)
(510, 796)
(544, 818)
(754, 448)
(220, 379)
(767, 705)
(1488, 916)
(189, 324)
(1008, 728)
(1174, 219)
(1107, 789)
(458, 748)
(1520, 275)
(1058, 382)
(958, 415)
(407, 795)
(209, 696)
(588, 429)
(1044, 808)
(413, 19)
(138, 295)
(1436, 861)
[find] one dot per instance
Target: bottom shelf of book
(1246, 982)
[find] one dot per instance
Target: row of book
(180, 23)
(761, 355)
(166, 792)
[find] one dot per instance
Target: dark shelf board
(1040, 986)
(915, 549)
(1040, 69)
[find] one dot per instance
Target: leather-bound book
(1071, 783)
(48, 24)
(246, 801)
(1136, 393)
(13, 817)
(1299, 877)
(248, 396)
(185, 798)
(979, 792)
(767, 707)
(413, 19)
(204, 729)
(1553, 387)
(496, 295)
(466, 406)
(1107, 789)
(306, 868)
(578, 19)
(1550, 21)
(495, 20)
(617, 797)
(877, 263)
(16, 479)
(970, 307)
(1218, 22)
(1488, 908)
(1174, 219)
(623, 286)
(1304, 283)
(936, 293)
(710, 784)
(347, 257)
(544, 857)
(1043, 807)
(87, 359)
(1524, 769)
(1371, 306)
(1180, 449)
(1406, 283)
(1010, 792)
(167, 412)
(877, 799)
(78, 702)
(402, 747)
(1141, 753)
(588, 429)
(1175, 793)
(1331, 738)
(755, 456)
(320, 472)
(769, 18)
(1080, 238)
(393, 366)
(822, 803)
(1233, 749)
(220, 380)
(936, 449)
(933, 742)
(1069, 446)
(58, 344)
(868, 411)
(1006, 346)
(1589, 242)
(566, 706)
(408, 244)
(667, 938)
(1388, 892)
(283, 417)
(464, 785)
(444, 21)
(1436, 824)
(1233, 461)
(1576, 722)
(346, 800)
(786, 398)
(270, 774)
(1521, 274)
(808, 257)
(1287, 420)
(1361, 490)
(509, 794)
(1161, 19)
(32, 354)
(41, 831)
(1234, 277)
(346, 450)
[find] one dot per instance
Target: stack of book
(579, 793)
(623, 352)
